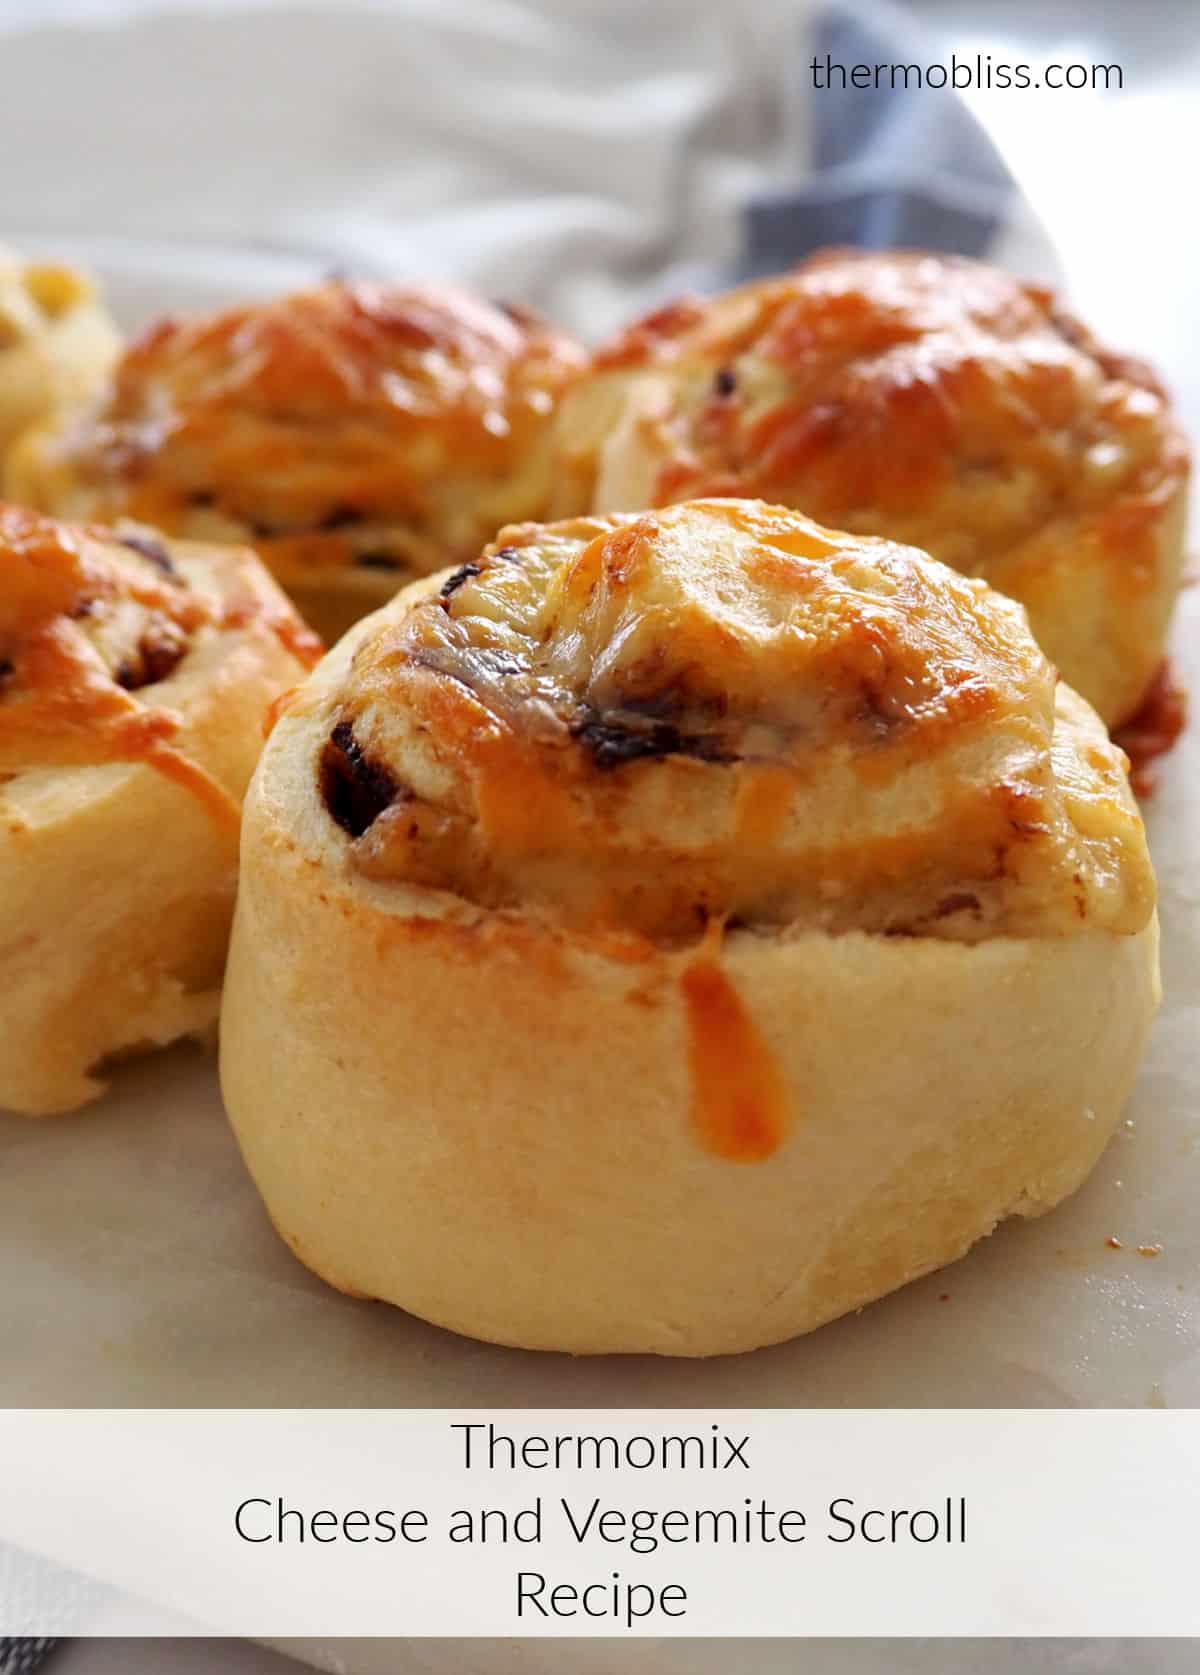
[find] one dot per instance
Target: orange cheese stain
(1155, 729)
(222, 806)
(245, 608)
(740, 1102)
(279, 703)
(764, 803)
(522, 807)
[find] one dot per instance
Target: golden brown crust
(929, 399)
(352, 433)
(722, 711)
(87, 621)
(558, 1010)
(135, 674)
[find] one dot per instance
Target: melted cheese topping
(373, 424)
(91, 627)
(929, 399)
(724, 711)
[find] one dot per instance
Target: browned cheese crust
(355, 434)
(928, 399)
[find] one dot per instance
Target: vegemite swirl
(723, 713)
(929, 399)
(377, 426)
(93, 624)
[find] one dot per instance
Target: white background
(1079, 1523)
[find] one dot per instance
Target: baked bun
(929, 399)
(57, 342)
(134, 677)
(355, 435)
(667, 933)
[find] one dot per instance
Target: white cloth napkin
(586, 156)
(578, 154)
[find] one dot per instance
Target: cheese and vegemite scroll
(355, 435)
(135, 676)
(667, 933)
(928, 399)
(57, 342)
